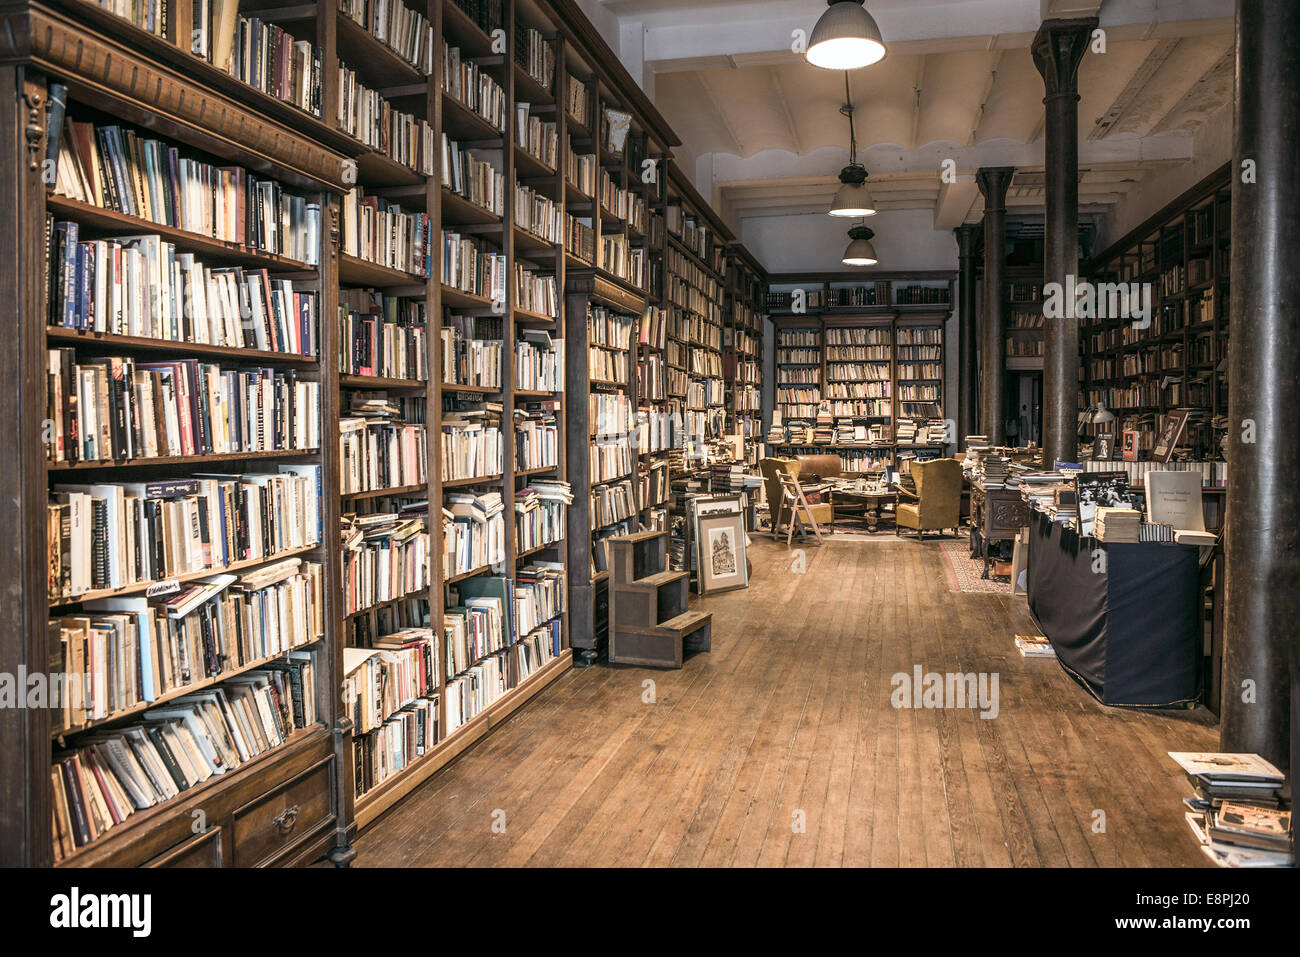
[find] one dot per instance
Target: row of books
(537, 439)
(406, 735)
(537, 137)
(473, 532)
(535, 54)
(385, 557)
(539, 362)
(116, 407)
(118, 535)
(539, 597)
(540, 510)
(538, 214)
(176, 747)
(405, 31)
(384, 337)
(579, 238)
(119, 653)
(607, 365)
(378, 454)
(474, 266)
(611, 503)
(536, 291)
(116, 168)
(472, 350)
(469, 84)
(471, 178)
(270, 59)
(381, 232)
(142, 286)
(609, 414)
(580, 170)
(471, 444)
(609, 458)
(370, 119)
(380, 680)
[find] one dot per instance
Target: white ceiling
(767, 138)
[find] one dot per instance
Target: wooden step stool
(648, 620)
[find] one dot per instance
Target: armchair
(936, 506)
(822, 512)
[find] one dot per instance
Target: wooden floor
(789, 719)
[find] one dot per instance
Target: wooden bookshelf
(898, 320)
(1179, 361)
(192, 104)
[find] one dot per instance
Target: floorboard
(781, 746)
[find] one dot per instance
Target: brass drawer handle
(287, 819)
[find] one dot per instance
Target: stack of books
(1118, 525)
(1035, 646)
(1237, 815)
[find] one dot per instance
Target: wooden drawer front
(202, 850)
(270, 825)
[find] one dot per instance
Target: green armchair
(936, 506)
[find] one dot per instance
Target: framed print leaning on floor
(721, 552)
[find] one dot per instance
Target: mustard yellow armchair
(937, 503)
(822, 512)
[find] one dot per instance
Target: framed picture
(1130, 445)
(1103, 447)
(720, 547)
(1170, 435)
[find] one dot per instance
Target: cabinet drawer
(273, 823)
(202, 850)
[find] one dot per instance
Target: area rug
(964, 572)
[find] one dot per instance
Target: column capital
(1058, 49)
(993, 182)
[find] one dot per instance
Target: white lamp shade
(1102, 416)
(860, 252)
(845, 38)
(851, 199)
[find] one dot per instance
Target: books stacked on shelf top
(1118, 524)
(1097, 489)
(1238, 814)
(1035, 646)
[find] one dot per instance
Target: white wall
(1212, 147)
(814, 242)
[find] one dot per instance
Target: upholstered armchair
(822, 512)
(937, 503)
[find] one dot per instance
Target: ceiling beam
(955, 202)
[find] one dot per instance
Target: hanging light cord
(847, 110)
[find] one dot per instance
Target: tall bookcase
(742, 341)
(444, 301)
(856, 362)
(1178, 361)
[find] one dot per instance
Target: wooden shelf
(187, 460)
(380, 382)
(420, 489)
(359, 272)
(473, 480)
(107, 341)
(377, 64)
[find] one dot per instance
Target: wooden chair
(795, 505)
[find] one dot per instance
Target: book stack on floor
(1035, 646)
(1238, 814)
(1118, 525)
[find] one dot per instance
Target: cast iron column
(1058, 48)
(1262, 611)
(967, 370)
(993, 182)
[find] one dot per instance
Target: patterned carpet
(964, 572)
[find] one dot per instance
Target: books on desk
(1118, 525)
